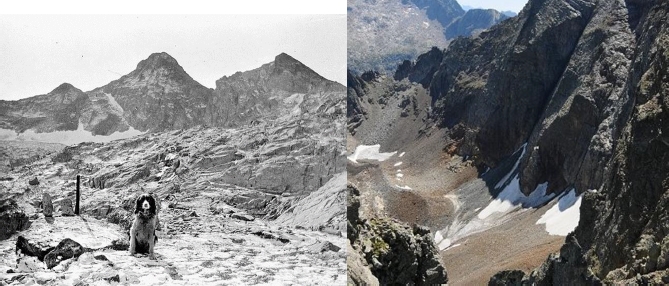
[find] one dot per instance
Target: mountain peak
(64, 88)
(284, 62)
(157, 60)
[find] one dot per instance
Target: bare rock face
(396, 253)
(357, 270)
(510, 277)
(47, 205)
(616, 145)
(323, 208)
(12, 218)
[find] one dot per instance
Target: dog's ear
(152, 203)
(138, 205)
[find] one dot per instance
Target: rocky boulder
(396, 253)
(66, 208)
(47, 205)
(12, 218)
(509, 277)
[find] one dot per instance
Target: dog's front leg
(152, 242)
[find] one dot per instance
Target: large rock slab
(12, 218)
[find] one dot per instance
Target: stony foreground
(212, 250)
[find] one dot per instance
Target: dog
(143, 231)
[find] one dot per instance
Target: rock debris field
(229, 213)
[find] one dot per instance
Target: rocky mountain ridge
(159, 95)
(382, 34)
(579, 88)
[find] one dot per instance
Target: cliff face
(581, 85)
(534, 79)
(623, 236)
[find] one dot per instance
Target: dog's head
(145, 205)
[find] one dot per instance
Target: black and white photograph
(170, 149)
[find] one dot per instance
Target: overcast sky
(505, 5)
(40, 52)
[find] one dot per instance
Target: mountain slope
(474, 21)
(284, 87)
(564, 98)
(158, 95)
(382, 34)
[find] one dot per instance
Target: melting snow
(66, 137)
(397, 164)
(404, 188)
(402, 154)
(444, 244)
(370, 153)
(511, 197)
(563, 217)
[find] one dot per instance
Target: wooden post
(76, 205)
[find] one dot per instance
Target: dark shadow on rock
(49, 219)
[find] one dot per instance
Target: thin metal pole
(76, 205)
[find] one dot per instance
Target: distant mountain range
(382, 34)
(508, 12)
(159, 95)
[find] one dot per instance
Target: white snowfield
(561, 219)
(66, 137)
(369, 152)
(511, 198)
(564, 216)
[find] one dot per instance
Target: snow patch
(397, 164)
(71, 137)
(563, 217)
(399, 175)
(511, 197)
(113, 102)
(402, 154)
(369, 153)
(438, 236)
(404, 188)
(444, 244)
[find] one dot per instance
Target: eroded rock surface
(395, 252)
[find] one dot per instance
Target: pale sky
(40, 52)
(504, 5)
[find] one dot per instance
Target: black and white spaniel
(143, 232)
